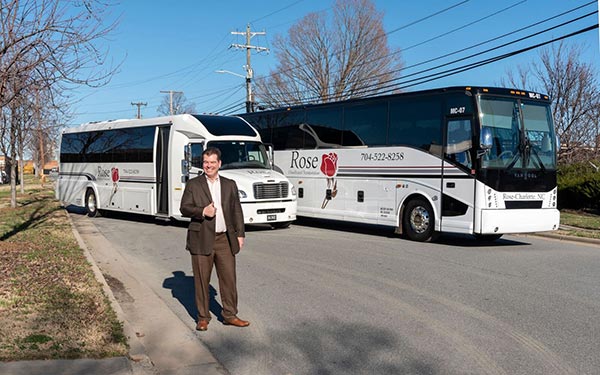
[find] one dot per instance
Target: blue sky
(178, 45)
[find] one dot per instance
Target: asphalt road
(331, 298)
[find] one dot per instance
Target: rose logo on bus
(329, 164)
(329, 169)
(114, 172)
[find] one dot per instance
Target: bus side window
(458, 141)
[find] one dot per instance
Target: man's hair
(212, 151)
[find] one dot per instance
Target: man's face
(211, 165)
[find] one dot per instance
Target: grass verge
(51, 306)
(580, 224)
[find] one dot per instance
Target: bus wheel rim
(92, 202)
(419, 219)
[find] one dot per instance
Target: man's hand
(210, 210)
(241, 242)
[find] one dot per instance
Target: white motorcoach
(142, 166)
(459, 159)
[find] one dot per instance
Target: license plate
(271, 217)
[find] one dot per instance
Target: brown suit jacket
(201, 231)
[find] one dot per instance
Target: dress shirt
(215, 192)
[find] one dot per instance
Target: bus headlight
(242, 194)
(293, 190)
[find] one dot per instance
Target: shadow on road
(182, 289)
(330, 346)
(458, 240)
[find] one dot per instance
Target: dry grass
(51, 306)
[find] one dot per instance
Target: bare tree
(47, 46)
(321, 61)
(573, 87)
(180, 105)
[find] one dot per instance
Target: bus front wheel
(418, 221)
(91, 203)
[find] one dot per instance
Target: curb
(136, 351)
(566, 237)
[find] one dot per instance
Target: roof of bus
(471, 89)
(214, 124)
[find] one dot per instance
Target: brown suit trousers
(224, 262)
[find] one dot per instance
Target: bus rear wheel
(418, 220)
(91, 203)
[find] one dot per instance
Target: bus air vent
(271, 191)
(523, 204)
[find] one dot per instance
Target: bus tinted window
(416, 122)
(132, 145)
(221, 125)
(286, 130)
(368, 123)
(262, 125)
(325, 126)
(115, 145)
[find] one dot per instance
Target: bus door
(458, 180)
(162, 170)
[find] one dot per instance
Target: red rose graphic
(115, 174)
(329, 164)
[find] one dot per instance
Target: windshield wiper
(514, 159)
(537, 156)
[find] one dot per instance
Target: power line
(343, 50)
(490, 49)
(463, 68)
(277, 11)
(373, 87)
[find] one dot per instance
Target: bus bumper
(518, 221)
(269, 212)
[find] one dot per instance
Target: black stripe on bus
(89, 176)
(404, 176)
(137, 181)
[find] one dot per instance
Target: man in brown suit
(215, 235)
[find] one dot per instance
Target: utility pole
(171, 92)
(249, 34)
(139, 104)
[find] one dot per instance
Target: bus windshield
(240, 154)
(522, 134)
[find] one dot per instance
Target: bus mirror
(185, 168)
(557, 144)
(485, 138)
(187, 152)
(271, 155)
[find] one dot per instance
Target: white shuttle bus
(142, 166)
(470, 160)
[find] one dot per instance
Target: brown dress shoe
(202, 325)
(236, 322)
